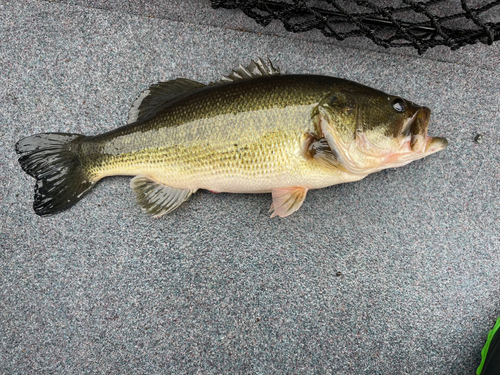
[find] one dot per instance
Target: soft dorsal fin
(254, 70)
(153, 100)
(155, 198)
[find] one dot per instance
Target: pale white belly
(261, 184)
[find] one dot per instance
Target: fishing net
(388, 23)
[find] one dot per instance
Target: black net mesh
(403, 23)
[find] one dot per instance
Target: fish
(253, 131)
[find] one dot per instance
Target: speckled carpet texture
(398, 273)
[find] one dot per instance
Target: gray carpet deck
(395, 274)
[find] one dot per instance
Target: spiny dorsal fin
(255, 69)
(153, 100)
(157, 199)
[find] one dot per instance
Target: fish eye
(399, 105)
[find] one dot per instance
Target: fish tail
(55, 160)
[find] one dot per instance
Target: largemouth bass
(254, 131)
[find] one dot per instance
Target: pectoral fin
(157, 199)
(288, 200)
(318, 150)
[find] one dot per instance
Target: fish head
(369, 130)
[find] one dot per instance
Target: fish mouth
(420, 141)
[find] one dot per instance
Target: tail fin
(53, 159)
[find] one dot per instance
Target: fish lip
(420, 141)
(435, 144)
(418, 129)
(420, 122)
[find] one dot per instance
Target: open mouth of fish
(417, 131)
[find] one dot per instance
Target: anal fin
(287, 200)
(155, 198)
